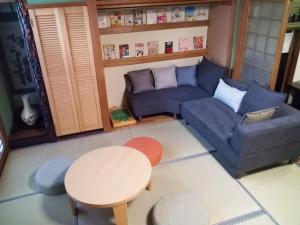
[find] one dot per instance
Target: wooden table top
(108, 176)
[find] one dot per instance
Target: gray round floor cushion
(49, 178)
(180, 209)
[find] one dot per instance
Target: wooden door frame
(292, 61)
(95, 35)
(242, 40)
(3, 136)
(242, 31)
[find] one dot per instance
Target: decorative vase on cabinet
(28, 115)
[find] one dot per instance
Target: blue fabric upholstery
(209, 74)
(261, 136)
(241, 85)
(186, 75)
(213, 115)
(164, 100)
(239, 148)
(259, 98)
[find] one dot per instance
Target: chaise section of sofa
(243, 148)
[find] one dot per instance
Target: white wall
(115, 83)
(297, 71)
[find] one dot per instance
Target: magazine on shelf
(117, 19)
(124, 51)
(184, 44)
(151, 16)
(103, 19)
(190, 13)
(201, 12)
(109, 51)
(198, 42)
(177, 14)
(139, 49)
(169, 47)
(161, 15)
(153, 48)
(128, 18)
(138, 17)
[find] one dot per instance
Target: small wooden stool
(150, 147)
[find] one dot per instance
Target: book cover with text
(151, 16)
(124, 51)
(198, 42)
(139, 49)
(161, 15)
(190, 13)
(169, 47)
(109, 51)
(184, 44)
(153, 48)
(116, 19)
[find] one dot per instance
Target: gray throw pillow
(257, 116)
(141, 80)
(165, 77)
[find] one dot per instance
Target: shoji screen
(260, 40)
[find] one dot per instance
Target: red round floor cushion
(149, 146)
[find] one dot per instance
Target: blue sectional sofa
(240, 148)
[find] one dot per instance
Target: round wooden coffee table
(108, 177)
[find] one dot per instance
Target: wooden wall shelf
(155, 58)
(114, 4)
(149, 27)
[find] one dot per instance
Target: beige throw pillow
(252, 117)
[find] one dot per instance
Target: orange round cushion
(149, 146)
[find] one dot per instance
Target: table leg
(149, 186)
(73, 207)
(120, 213)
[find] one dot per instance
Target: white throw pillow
(229, 95)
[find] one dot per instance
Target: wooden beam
(242, 32)
(150, 27)
(110, 4)
(93, 20)
(154, 58)
(56, 5)
(283, 28)
(232, 31)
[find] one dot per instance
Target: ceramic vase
(28, 115)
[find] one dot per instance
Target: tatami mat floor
(264, 198)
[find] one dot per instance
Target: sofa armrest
(260, 136)
(128, 84)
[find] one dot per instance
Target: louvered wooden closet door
(50, 45)
(82, 67)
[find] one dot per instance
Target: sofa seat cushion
(164, 100)
(213, 115)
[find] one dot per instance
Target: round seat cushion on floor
(49, 178)
(149, 146)
(180, 209)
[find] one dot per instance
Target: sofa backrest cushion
(141, 80)
(186, 75)
(259, 98)
(230, 96)
(209, 74)
(165, 77)
(241, 85)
